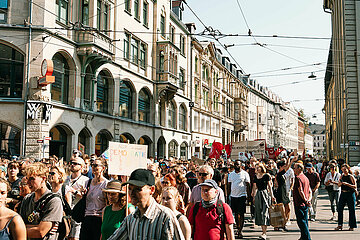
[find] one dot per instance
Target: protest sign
(124, 158)
(255, 148)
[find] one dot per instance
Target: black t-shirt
(261, 183)
(217, 176)
(280, 178)
(191, 179)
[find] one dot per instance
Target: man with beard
(150, 220)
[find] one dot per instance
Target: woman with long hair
(347, 183)
(331, 185)
(171, 198)
(263, 196)
(181, 184)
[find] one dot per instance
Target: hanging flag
(228, 149)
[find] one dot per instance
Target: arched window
(182, 118)
(183, 151)
(144, 106)
(102, 93)
(10, 140)
(60, 88)
(125, 100)
(173, 149)
(11, 72)
(171, 115)
(101, 142)
(58, 142)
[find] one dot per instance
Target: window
(196, 92)
(203, 72)
(205, 98)
(172, 34)
(183, 151)
(182, 44)
(145, 13)
(181, 79)
(161, 61)
(135, 51)
(11, 72)
(99, 14)
(106, 17)
(60, 88)
(171, 116)
(216, 79)
(173, 149)
(162, 25)
(136, 9)
(142, 55)
(144, 106)
(102, 93)
(182, 118)
(127, 46)
(101, 143)
(125, 100)
(85, 12)
(61, 9)
(196, 64)
(127, 5)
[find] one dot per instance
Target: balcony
(93, 42)
(241, 115)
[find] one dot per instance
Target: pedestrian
(95, 202)
(172, 199)
(182, 185)
(302, 200)
(150, 220)
(217, 175)
(331, 185)
(357, 178)
(239, 189)
(42, 210)
(263, 196)
(315, 181)
(211, 218)
(114, 214)
(347, 197)
(14, 181)
(191, 176)
(289, 182)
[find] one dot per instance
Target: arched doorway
(173, 148)
(10, 140)
(58, 142)
(127, 138)
(184, 151)
(145, 140)
(84, 139)
(102, 141)
(161, 144)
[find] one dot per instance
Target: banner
(124, 158)
(255, 148)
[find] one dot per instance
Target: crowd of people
(171, 199)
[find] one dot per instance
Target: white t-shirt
(77, 184)
(238, 183)
(288, 176)
(334, 178)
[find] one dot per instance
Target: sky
(303, 19)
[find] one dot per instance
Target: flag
(228, 149)
(105, 154)
(215, 151)
(271, 152)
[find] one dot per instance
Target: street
(322, 228)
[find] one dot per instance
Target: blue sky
(301, 18)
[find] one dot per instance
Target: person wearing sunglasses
(95, 202)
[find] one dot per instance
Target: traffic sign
(48, 138)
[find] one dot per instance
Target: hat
(114, 186)
(308, 165)
(78, 160)
(141, 177)
(209, 183)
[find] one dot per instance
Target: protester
(181, 184)
(14, 181)
(217, 175)
(239, 189)
(42, 211)
(172, 199)
(289, 183)
(302, 200)
(315, 181)
(95, 202)
(251, 171)
(164, 168)
(347, 183)
(191, 176)
(87, 170)
(150, 220)
(168, 180)
(262, 194)
(114, 214)
(211, 218)
(331, 185)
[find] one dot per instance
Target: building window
(173, 148)
(161, 61)
(125, 100)
(182, 44)
(145, 13)
(206, 98)
(196, 92)
(99, 14)
(142, 55)
(162, 25)
(171, 116)
(135, 51)
(196, 64)
(181, 79)
(182, 118)
(101, 143)
(85, 12)
(61, 9)
(172, 34)
(102, 93)
(144, 106)
(60, 88)
(106, 17)
(136, 9)
(127, 5)
(183, 151)
(127, 46)
(11, 72)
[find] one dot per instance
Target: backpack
(219, 210)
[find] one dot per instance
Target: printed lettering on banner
(124, 158)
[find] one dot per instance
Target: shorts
(75, 229)
(238, 205)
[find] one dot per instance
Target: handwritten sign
(124, 158)
(255, 148)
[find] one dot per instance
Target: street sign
(40, 141)
(48, 138)
(346, 145)
(341, 145)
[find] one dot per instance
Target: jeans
(349, 199)
(313, 204)
(334, 199)
(302, 221)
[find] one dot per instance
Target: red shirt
(301, 183)
(207, 223)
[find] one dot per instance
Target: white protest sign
(124, 158)
(256, 148)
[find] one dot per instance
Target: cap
(114, 186)
(141, 177)
(308, 165)
(209, 183)
(78, 160)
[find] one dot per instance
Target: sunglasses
(165, 183)
(96, 165)
(75, 163)
(51, 173)
(31, 178)
(203, 174)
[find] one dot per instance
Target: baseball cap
(308, 165)
(209, 183)
(141, 177)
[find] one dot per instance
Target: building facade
(319, 139)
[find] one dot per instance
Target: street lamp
(312, 75)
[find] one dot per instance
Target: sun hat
(114, 186)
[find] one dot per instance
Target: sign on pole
(124, 158)
(255, 148)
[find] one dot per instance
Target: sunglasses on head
(203, 174)
(96, 165)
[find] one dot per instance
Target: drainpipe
(27, 81)
(191, 98)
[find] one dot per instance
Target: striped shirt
(158, 223)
